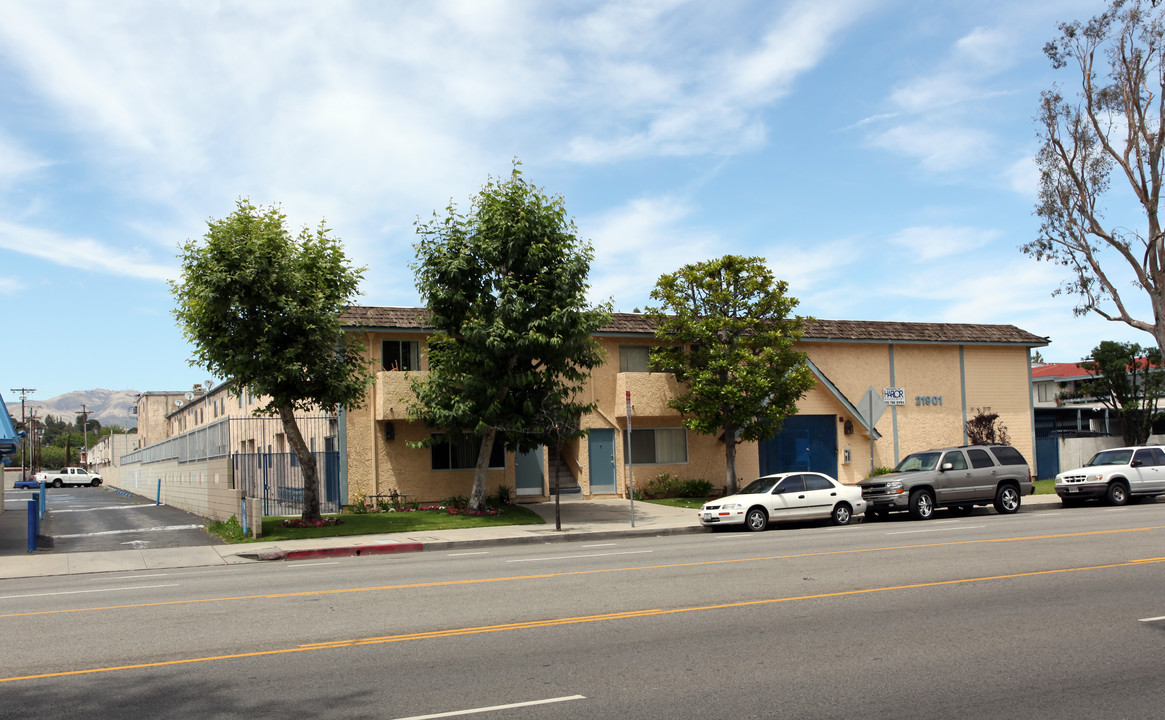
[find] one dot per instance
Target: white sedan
(785, 497)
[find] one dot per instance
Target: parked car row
(955, 478)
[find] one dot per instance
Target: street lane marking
(575, 557)
(556, 622)
(133, 530)
(599, 545)
(106, 507)
(596, 571)
(82, 592)
(479, 552)
(912, 532)
(1154, 619)
(492, 708)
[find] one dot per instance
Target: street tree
(261, 308)
(1128, 379)
(505, 286)
(726, 333)
(1104, 152)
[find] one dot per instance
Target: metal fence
(262, 461)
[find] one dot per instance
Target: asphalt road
(1047, 614)
(97, 519)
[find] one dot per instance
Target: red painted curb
(354, 551)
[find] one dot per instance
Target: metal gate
(805, 442)
(270, 473)
(1047, 447)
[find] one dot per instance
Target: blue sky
(877, 152)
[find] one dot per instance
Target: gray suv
(958, 478)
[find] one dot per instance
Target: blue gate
(1047, 447)
(805, 443)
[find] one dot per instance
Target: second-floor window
(1046, 392)
(633, 358)
(400, 355)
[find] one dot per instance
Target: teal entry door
(529, 476)
(601, 457)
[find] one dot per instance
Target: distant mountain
(109, 407)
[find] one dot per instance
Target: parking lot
(98, 519)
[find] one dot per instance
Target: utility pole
(24, 392)
(85, 435)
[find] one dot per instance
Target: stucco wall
(202, 488)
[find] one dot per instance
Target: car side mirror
(946, 466)
(1136, 463)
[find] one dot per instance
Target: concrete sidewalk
(581, 520)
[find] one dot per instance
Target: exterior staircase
(559, 473)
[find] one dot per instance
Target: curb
(349, 551)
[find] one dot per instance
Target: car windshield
(1111, 457)
(918, 461)
(759, 486)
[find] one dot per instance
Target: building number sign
(928, 400)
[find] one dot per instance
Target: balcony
(394, 393)
(650, 393)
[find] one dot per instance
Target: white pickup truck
(68, 476)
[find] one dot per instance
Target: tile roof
(815, 330)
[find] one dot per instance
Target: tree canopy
(726, 333)
(1103, 149)
(505, 286)
(1128, 379)
(261, 308)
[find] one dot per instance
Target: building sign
(894, 396)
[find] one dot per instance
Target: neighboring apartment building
(204, 450)
(937, 375)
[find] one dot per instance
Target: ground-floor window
(459, 452)
(657, 446)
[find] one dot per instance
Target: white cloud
(16, 161)
(83, 253)
(636, 243)
(10, 286)
(932, 242)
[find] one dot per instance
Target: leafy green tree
(261, 308)
(1104, 148)
(1128, 379)
(728, 335)
(505, 287)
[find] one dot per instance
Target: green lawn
(695, 503)
(373, 523)
(1046, 486)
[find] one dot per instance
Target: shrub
(666, 485)
(880, 471)
(456, 502)
(505, 495)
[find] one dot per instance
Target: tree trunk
(477, 495)
(730, 461)
(307, 464)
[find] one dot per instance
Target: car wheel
(756, 519)
(57, 483)
(842, 514)
(921, 505)
(95, 483)
(961, 509)
(1118, 494)
(1006, 500)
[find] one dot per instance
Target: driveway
(98, 519)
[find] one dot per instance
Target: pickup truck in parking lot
(1118, 476)
(957, 478)
(68, 476)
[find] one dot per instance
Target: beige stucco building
(939, 374)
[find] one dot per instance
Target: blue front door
(601, 458)
(528, 473)
(806, 443)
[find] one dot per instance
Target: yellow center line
(553, 622)
(570, 573)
